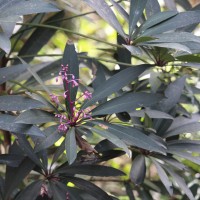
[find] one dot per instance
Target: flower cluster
(77, 115)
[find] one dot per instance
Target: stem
(70, 31)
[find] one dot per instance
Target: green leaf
(152, 8)
(12, 160)
(179, 20)
(151, 113)
(5, 42)
(116, 82)
(35, 117)
(126, 102)
(163, 177)
(18, 103)
(111, 137)
(157, 19)
(133, 49)
(102, 8)
(176, 46)
(180, 181)
(121, 10)
(131, 136)
(70, 145)
(138, 170)
(8, 73)
(14, 176)
(49, 140)
(39, 38)
(89, 188)
(70, 58)
(136, 11)
(90, 170)
(31, 191)
(28, 150)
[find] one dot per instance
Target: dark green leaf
(136, 11)
(90, 170)
(179, 20)
(131, 136)
(129, 191)
(134, 50)
(151, 114)
(5, 42)
(49, 140)
(105, 145)
(180, 181)
(138, 170)
(27, 149)
(102, 8)
(18, 103)
(70, 58)
(157, 19)
(12, 160)
(111, 137)
(39, 38)
(126, 102)
(164, 178)
(152, 8)
(121, 10)
(35, 117)
(89, 188)
(58, 152)
(8, 73)
(14, 176)
(70, 145)
(116, 82)
(30, 192)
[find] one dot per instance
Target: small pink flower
(54, 98)
(62, 127)
(74, 83)
(87, 95)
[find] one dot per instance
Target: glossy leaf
(127, 102)
(90, 170)
(136, 11)
(5, 42)
(121, 10)
(180, 181)
(180, 20)
(35, 117)
(49, 140)
(131, 136)
(138, 170)
(18, 103)
(8, 73)
(70, 145)
(89, 188)
(31, 191)
(111, 137)
(157, 18)
(12, 160)
(116, 82)
(102, 8)
(14, 176)
(152, 8)
(70, 58)
(164, 178)
(133, 50)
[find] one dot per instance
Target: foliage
(57, 132)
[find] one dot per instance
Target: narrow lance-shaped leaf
(127, 102)
(152, 7)
(138, 170)
(180, 181)
(70, 145)
(102, 8)
(164, 178)
(136, 10)
(18, 103)
(116, 82)
(12, 160)
(35, 117)
(70, 59)
(111, 137)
